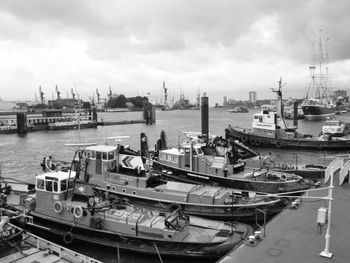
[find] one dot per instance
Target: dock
(295, 236)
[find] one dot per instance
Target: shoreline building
(252, 96)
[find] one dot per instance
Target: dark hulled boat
(76, 211)
(221, 162)
(271, 130)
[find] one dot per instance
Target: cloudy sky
(222, 47)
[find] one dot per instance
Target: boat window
(93, 155)
(70, 183)
(40, 184)
(175, 159)
(162, 156)
(55, 186)
(256, 117)
(111, 155)
(98, 155)
(168, 157)
(260, 118)
(63, 185)
(104, 156)
(48, 185)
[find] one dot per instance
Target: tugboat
(220, 162)
(62, 206)
(270, 130)
(122, 175)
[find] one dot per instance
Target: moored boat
(18, 245)
(76, 211)
(337, 128)
(269, 129)
(220, 162)
(318, 103)
(122, 174)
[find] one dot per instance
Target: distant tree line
(120, 101)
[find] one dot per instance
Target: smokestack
(205, 116)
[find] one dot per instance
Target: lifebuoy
(57, 207)
(68, 238)
(78, 212)
(112, 165)
(257, 143)
(244, 139)
(283, 177)
(91, 201)
(278, 144)
(252, 142)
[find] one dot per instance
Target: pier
(295, 236)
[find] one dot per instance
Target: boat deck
(294, 236)
(36, 249)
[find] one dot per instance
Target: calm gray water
(21, 155)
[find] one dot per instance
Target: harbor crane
(165, 89)
(110, 92)
(42, 99)
(58, 93)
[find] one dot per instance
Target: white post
(325, 253)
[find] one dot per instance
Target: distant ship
(318, 103)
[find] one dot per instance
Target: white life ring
(78, 212)
(57, 207)
(283, 177)
(332, 129)
(112, 165)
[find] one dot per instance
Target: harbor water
(21, 155)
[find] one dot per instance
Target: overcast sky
(222, 47)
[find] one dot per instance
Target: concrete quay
(294, 235)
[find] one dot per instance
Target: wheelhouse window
(63, 185)
(111, 155)
(55, 186)
(104, 156)
(48, 185)
(40, 184)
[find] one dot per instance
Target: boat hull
(73, 126)
(182, 175)
(236, 212)
(70, 231)
(309, 143)
(317, 112)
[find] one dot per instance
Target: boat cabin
(269, 124)
(195, 160)
(100, 159)
(52, 187)
(335, 127)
